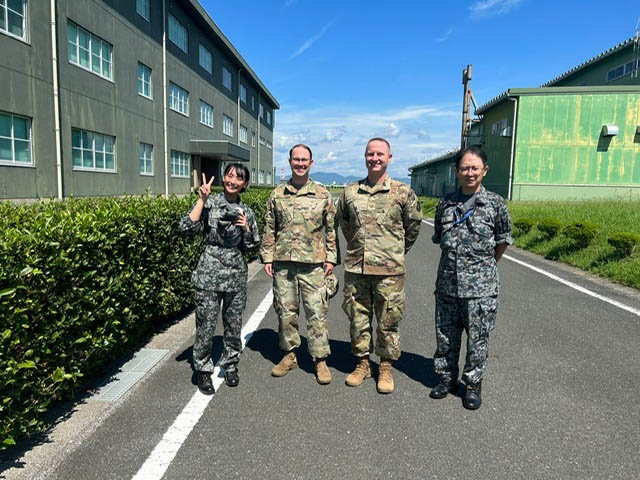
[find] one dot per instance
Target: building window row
(178, 99)
(143, 9)
(93, 151)
(227, 79)
(206, 114)
(89, 51)
(227, 125)
(178, 34)
(144, 80)
(146, 159)
(622, 70)
(15, 139)
(205, 59)
(13, 18)
(179, 164)
(244, 133)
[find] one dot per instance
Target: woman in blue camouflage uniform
(230, 230)
(473, 228)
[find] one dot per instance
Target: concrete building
(113, 97)
(575, 137)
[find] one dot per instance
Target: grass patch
(608, 217)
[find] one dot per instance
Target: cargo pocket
(488, 307)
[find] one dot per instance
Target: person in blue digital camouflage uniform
(473, 228)
(229, 228)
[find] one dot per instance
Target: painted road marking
(163, 454)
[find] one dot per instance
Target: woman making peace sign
(229, 229)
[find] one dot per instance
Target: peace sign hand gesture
(205, 188)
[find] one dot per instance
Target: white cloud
(309, 42)
(490, 8)
(338, 135)
(445, 36)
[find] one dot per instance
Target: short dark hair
(473, 150)
(241, 171)
(303, 146)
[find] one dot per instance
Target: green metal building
(114, 97)
(575, 137)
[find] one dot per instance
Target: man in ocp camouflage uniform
(299, 252)
(473, 228)
(380, 218)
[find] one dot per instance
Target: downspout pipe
(165, 127)
(513, 145)
(238, 105)
(258, 158)
(56, 98)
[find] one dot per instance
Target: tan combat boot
(288, 363)
(323, 375)
(362, 371)
(385, 380)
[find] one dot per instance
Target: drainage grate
(128, 375)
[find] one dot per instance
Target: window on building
(178, 99)
(261, 111)
(179, 164)
(142, 7)
(144, 80)
(15, 139)
(253, 103)
(498, 127)
(451, 174)
(243, 93)
(178, 34)
(622, 70)
(146, 159)
(227, 125)
(227, 79)
(261, 177)
(243, 134)
(206, 114)
(89, 51)
(13, 18)
(205, 59)
(253, 139)
(268, 117)
(93, 151)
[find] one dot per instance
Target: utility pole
(466, 77)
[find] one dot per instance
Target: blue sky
(345, 70)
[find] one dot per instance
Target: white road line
(163, 454)
(575, 286)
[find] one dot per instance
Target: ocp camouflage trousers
(208, 306)
(293, 282)
(476, 317)
(366, 295)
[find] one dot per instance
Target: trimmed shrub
(524, 225)
(81, 282)
(582, 233)
(550, 227)
(624, 243)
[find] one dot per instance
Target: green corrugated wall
(560, 152)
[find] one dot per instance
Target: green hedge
(81, 282)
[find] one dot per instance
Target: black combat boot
(231, 377)
(204, 383)
(472, 399)
(447, 385)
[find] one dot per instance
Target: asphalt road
(560, 398)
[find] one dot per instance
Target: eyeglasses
(300, 160)
(470, 169)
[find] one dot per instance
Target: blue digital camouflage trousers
(208, 306)
(292, 282)
(476, 317)
(383, 295)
